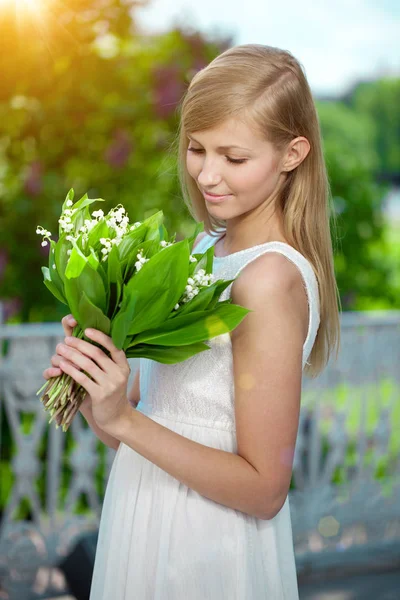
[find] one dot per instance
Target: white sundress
(159, 539)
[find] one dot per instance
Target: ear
(295, 154)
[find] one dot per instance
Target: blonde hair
(267, 88)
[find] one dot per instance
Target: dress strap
(203, 245)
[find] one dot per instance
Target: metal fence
(345, 492)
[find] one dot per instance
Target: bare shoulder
(270, 284)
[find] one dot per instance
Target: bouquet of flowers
(134, 283)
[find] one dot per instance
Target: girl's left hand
(108, 387)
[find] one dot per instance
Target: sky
(338, 42)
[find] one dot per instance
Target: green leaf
(85, 201)
(50, 286)
(160, 283)
(76, 264)
(166, 354)
(206, 299)
(100, 230)
(61, 255)
(93, 259)
(53, 272)
(204, 261)
(90, 282)
(89, 315)
(149, 247)
(153, 222)
(130, 242)
(78, 219)
(220, 286)
(195, 327)
(123, 320)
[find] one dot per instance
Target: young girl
(197, 506)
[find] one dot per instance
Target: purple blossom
(33, 183)
(10, 307)
(3, 262)
(119, 150)
(168, 90)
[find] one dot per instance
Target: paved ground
(375, 586)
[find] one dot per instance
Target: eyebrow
(222, 147)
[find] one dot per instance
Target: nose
(208, 177)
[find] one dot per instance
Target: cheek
(261, 177)
(192, 166)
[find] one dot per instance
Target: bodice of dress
(200, 390)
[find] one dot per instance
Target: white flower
(54, 266)
(98, 214)
(41, 231)
(90, 224)
(69, 203)
(44, 243)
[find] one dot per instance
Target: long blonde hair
(267, 88)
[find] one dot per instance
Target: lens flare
(20, 5)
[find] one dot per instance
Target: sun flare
(21, 5)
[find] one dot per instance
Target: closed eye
(235, 161)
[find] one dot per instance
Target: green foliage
(380, 102)
(86, 117)
(352, 162)
(92, 104)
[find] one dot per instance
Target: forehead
(230, 133)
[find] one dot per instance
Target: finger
(68, 323)
(55, 360)
(77, 359)
(88, 349)
(52, 372)
(118, 356)
(90, 386)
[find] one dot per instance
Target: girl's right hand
(68, 323)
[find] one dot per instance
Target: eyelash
(238, 161)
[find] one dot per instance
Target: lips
(215, 195)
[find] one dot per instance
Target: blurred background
(88, 99)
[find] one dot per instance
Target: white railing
(345, 494)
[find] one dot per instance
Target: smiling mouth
(215, 195)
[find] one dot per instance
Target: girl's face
(233, 161)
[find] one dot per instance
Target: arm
(267, 351)
(106, 438)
